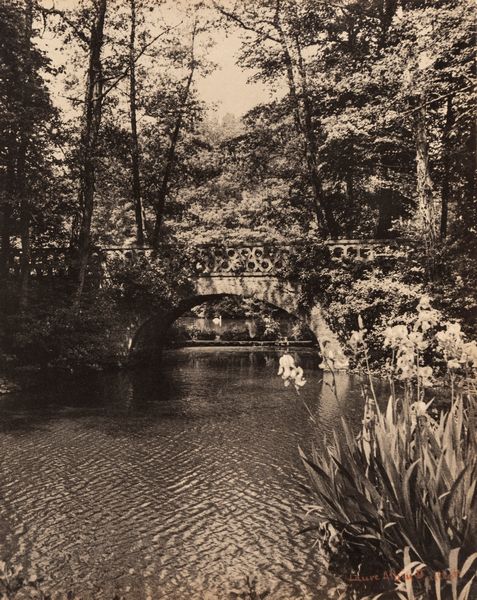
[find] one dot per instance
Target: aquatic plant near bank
(402, 494)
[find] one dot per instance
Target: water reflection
(175, 482)
(224, 325)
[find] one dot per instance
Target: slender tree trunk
(136, 183)
(311, 159)
(386, 10)
(445, 190)
(21, 163)
(171, 154)
(426, 217)
(304, 123)
(89, 142)
(7, 210)
(6, 249)
(471, 164)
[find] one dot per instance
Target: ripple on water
(174, 484)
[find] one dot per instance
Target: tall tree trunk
(304, 122)
(386, 11)
(88, 145)
(446, 150)
(171, 153)
(21, 161)
(168, 168)
(136, 183)
(426, 217)
(6, 244)
(7, 210)
(471, 164)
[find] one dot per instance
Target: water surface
(177, 482)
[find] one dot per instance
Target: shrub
(453, 286)
(376, 290)
(65, 337)
(378, 297)
(195, 333)
(300, 331)
(153, 282)
(403, 493)
(235, 334)
(268, 328)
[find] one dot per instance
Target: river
(177, 482)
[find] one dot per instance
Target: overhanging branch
(61, 13)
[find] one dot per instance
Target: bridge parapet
(269, 259)
(213, 260)
(240, 260)
(363, 250)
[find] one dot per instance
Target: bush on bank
(62, 337)
(377, 290)
(453, 287)
(53, 333)
(386, 289)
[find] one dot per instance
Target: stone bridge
(250, 271)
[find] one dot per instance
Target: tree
(171, 153)
(283, 25)
(25, 123)
(10, 46)
(25, 139)
(89, 140)
(136, 181)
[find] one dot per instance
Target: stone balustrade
(211, 260)
(364, 250)
(259, 260)
(240, 260)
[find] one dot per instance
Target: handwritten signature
(399, 576)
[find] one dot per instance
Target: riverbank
(243, 343)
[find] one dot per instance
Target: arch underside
(148, 341)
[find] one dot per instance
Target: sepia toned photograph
(238, 300)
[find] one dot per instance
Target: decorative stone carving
(239, 260)
(211, 260)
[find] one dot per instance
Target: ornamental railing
(269, 259)
(211, 260)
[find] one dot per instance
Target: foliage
(300, 331)
(62, 337)
(403, 492)
(181, 334)
(152, 282)
(452, 286)
(364, 68)
(381, 291)
(28, 134)
(268, 328)
(235, 334)
(53, 333)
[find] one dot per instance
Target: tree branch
(432, 100)
(61, 13)
(241, 23)
(125, 73)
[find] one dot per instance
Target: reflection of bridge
(256, 271)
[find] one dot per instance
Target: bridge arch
(149, 338)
